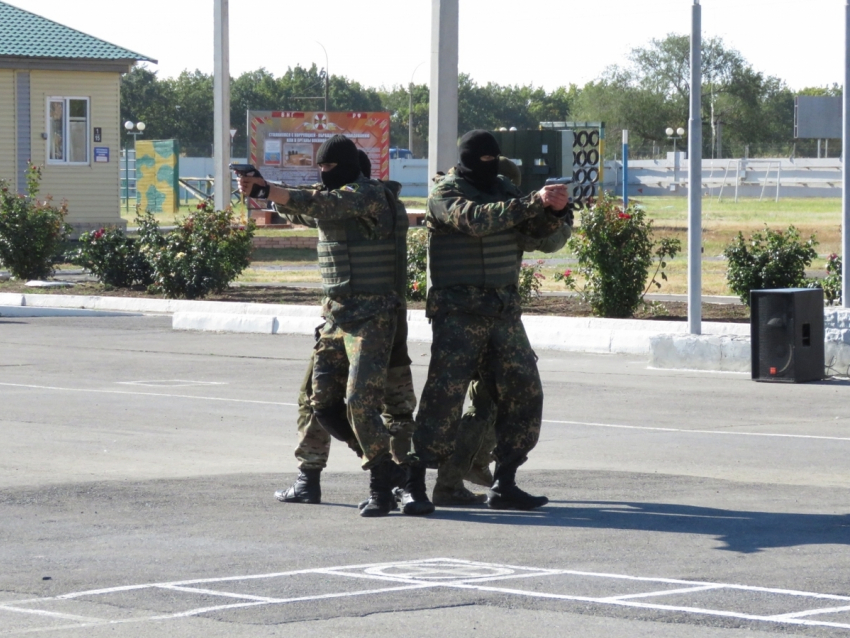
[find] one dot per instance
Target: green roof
(27, 35)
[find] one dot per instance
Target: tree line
(744, 112)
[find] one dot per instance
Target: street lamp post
(135, 130)
(410, 109)
(327, 74)
(675, 135)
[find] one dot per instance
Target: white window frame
(66, 126)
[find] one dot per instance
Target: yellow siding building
(60, 108)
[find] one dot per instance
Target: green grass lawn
(721, 222)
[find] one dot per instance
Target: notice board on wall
(283, 144)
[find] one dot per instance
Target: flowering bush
(567, 278)
(615, 252)
(832, 283)
(769, 259)
(114, 258)
(31, 231)
(203, 254)
(530, 280)
(417, 264)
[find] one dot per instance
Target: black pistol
(558, 180)
(249, 170)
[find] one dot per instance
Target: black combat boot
(398, 477)
(505, 495)
(381, 498)
(306, 489)
(414, 496)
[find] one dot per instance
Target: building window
(68, 130)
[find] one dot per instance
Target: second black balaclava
(471, 147)
(365, 163)
(341, 151)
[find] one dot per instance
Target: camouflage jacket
(358, 214)
(457, 207)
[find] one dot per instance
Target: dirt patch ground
(545, 305)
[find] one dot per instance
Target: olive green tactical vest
(352, 260)
(457, 259)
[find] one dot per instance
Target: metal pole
(127, 177)
(625, 169)
(327, 74)
(845, 168)
(221, 106)
(410, 109)
(695, 178)
(410, 117)
(675, 162)
(442, 119)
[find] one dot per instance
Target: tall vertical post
(442, 116)
(221, 106)
(625, 169)
(127, 177)
(695, 178)
(845, 167)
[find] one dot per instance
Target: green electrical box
(539, 154)
(558, 149)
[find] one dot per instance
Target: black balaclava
(341, 151)
(471, 147)
(365, 164)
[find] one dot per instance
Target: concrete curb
(721, 353)
(723, 347)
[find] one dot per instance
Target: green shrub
(31, 231)
(530, 280)
(417, 260)
(615, 252)
(112, 257)
(768, 259)
(206, 251)
(831, 284)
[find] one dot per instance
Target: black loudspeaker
(786, 334)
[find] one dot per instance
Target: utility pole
(221, 106)
(695, 178)
(442, 120)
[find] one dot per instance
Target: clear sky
(547, 43)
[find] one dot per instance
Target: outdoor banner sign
(283, 144)
(157, 172)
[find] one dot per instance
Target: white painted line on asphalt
(725, 432)
(145, 394)
(812, 612)
(443, 572)
(51, 614)
(557, 422)
(663, 592)
(171, 383)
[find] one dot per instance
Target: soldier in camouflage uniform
(356, 218)
(473, 217)
(399, 397)
(476, 435)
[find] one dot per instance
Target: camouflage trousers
(462, 345)
(476, 438)
(350, 364)
(314, 443)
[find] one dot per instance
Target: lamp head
(140, 126)
(128, 125)
(680, 131)
(669, 131)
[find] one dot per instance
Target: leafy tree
(145, 98)
(653, 91)
(194, 103)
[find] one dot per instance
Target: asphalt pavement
(138, 466)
